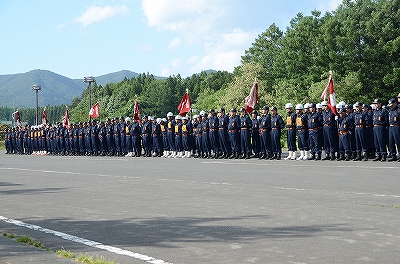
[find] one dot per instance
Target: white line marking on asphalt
(86, 242)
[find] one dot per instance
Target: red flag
(136, 111)
(44, 117)
(17, 118)
(332, 95)
(66, 119)
(251, 100)
(184, 106)
(94, 111)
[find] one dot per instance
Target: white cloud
(225, 54)
(175, 43)
(59, 27)
(329, 5)
(194, 18)
(97, 13)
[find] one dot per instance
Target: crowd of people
(356, 132)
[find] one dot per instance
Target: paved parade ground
(157, 210)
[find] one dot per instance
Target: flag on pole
(44, 117)
(251, 100)
(184, 106)
(332, 95)
(94, 111)
(66, 119)
(136, 111)
(17, 118)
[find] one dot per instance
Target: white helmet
(185, 118)
(373, 106)
(306, 105)
(203, 113)
(127, 119)
(299, 107)
(170, 114)
(164, 120)
(158, 120)
(324, 103)
(150, 118)
(178, 117)
(288, 105)
(319, 106)
(342, 103)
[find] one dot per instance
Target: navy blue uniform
(302, 132)
(265, 134)
(213, 134)
(291, 131)
(224, 143)
(330, 134)
(394, 131)
(277, 125)
(255, 136)
(380, 121)
(245, 136)
(135, 133)
(233, 129)
(344, 129)
(314, 125)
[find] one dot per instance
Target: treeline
(54, 114)
(155, 96)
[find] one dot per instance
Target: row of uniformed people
(359, 132)
(217, 135)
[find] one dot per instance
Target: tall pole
(89, 80)
(37, 88)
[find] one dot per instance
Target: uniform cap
(255, 112)
(233, 110)
(164, 120)
(299, 107)
(127, 119)
(159, 120)
(319, 106)
(377, 101)
(392, 101)
(185, 118)
(274, 108)
(265, 108)
(202, 113)
(212, 110)
(178, 117)
(242, 109)
(170, 114)
(324, 103)
(150, 118)
(195, 116)
(306, 105)
(366, 106)
(313, 105)
(288, 105)
(358, 104)
(222, 110)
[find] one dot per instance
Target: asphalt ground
(157, 210)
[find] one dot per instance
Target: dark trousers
(291, 139)
(265, 141)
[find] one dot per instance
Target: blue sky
(77, 38)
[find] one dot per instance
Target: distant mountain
(113, 77)
(16, 89)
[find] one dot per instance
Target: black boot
(333, 156)
(274, 156)
(312, 157)
(378, 157)
(278, 156)
(237, 155)
(327, 157)
(358, 157)
(347, 157)
(393, 158)
(248, 156)
(340, 157)
(366, 155)
(384, 158)
(262, 156)
(318, 156)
